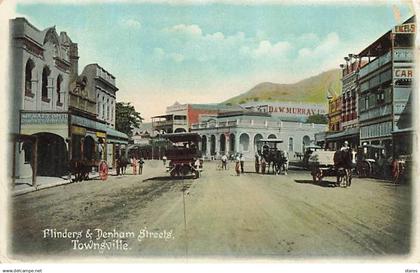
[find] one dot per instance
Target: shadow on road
(168, 178)
(324, 183)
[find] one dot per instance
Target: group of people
(239, 163)
(260, 163)
(136, 164)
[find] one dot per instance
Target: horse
(123, 162)
(343, 165)
(276, 159)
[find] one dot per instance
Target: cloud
(323, 48)
(193, 30)
(130, 23)
(266, 50)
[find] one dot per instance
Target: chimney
(74, 61)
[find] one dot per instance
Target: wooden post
(14, 163)
(34, 161)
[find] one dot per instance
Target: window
(290, 144)
(99, 105)
(28, 78)
(58, 90)
(107, 109)
(45, 73)
(112, 111)
(103, 107)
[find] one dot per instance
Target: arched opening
(89, 148)
(45, 74)
(58, 89)
(244, 142)
(257, 144)
(222, 143)
(305, 142)
(272, 136)
(52, 157)
(180, 130)
(28, 77)
(232, 143)
(204, 144)
(291, 148)
(212, 145)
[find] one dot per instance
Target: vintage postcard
(209, 131)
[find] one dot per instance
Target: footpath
(24, 185)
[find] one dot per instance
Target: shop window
(27, 150)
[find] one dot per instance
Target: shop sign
(101, 134)
(43, 118)
(76, 130)
(403, 73)
(409, 28)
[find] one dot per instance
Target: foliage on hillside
(310, 90)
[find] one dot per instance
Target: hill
(310, 90)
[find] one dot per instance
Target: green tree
(126, 118)
(318, 119)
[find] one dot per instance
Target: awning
(112, 133)
(402, 131)
(344, 134)
(97, 126)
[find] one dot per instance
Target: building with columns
(239, 132)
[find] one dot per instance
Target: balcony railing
(375, 64)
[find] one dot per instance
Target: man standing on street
(224, 161)
(141, 163)
(242, 160)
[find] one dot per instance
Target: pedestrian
(224, 162)
(134, 165)
(242, 160)
(263, 165)
(237, 165)
(257, 163)
(141, 163)
(118, 164)
(164, 158)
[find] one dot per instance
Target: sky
(194, 52)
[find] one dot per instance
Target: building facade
(348, 123)
(385, 90)
(180, 117)
(239, 132)
(53, 110)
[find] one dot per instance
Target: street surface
(252, 215)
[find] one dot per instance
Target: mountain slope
(310, 90)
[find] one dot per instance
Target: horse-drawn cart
(183, 154)
(324, 163)
(275, 158)
(80, 169)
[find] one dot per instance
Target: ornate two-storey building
(53, 109)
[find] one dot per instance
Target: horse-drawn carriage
(331, 163)
(371, 161)
(273, 157)
(80, 169)
(183, 154)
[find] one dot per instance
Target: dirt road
(218, 215)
